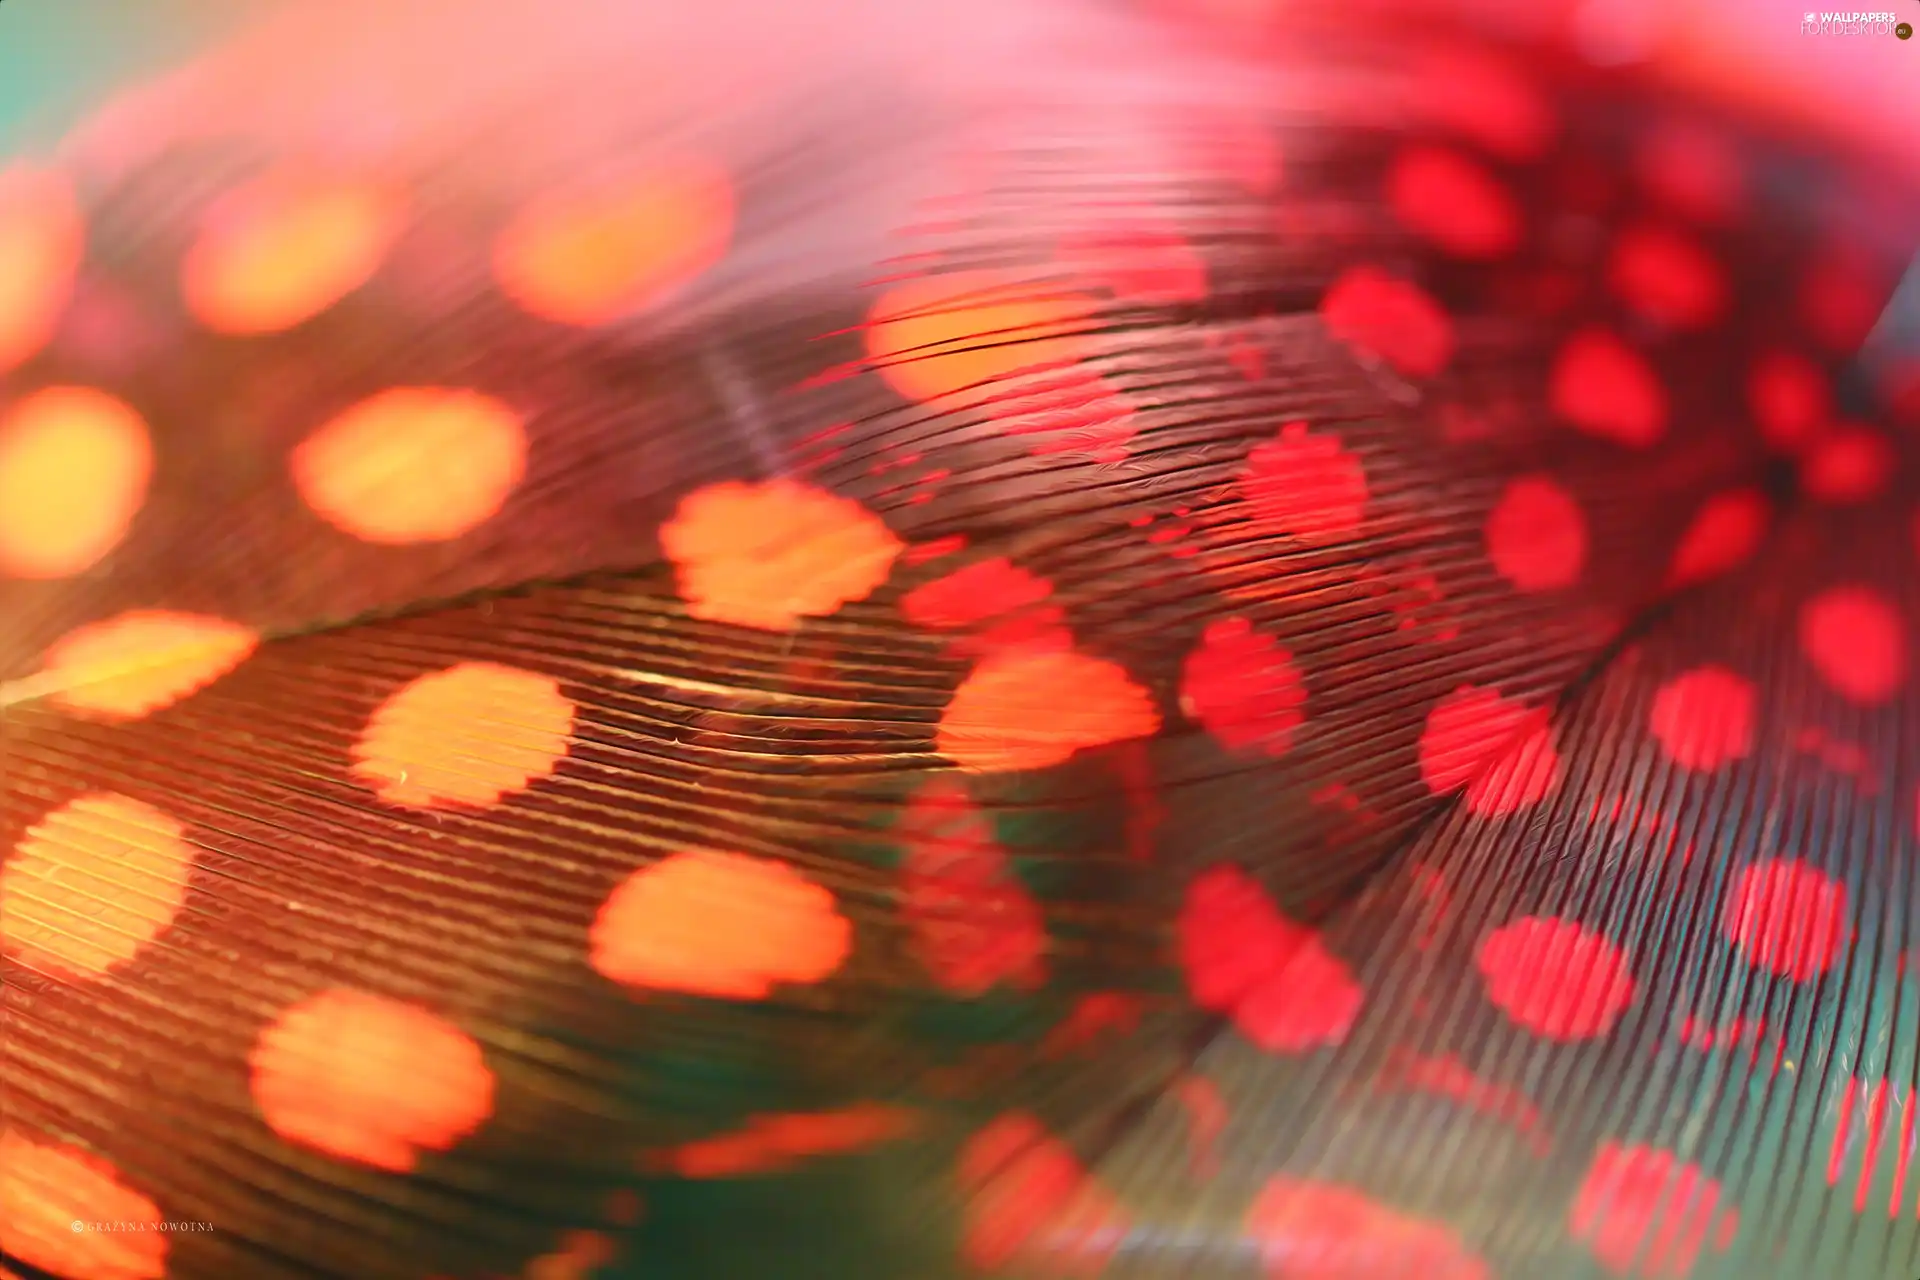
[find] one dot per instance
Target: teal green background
(57, 57)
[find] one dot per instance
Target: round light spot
(595, 256)
(1305, 485)
(412, 465)
(1012, 606)
(1607, 389)
(138, 662)
(469, 735)
(1390, 318)
(1499, 749)
(1305, 1230)
(74, 467)
(283, 248)
(46, 1189)
(1723, 535)
(1231, 937)
(1787, 918)
(945, 334)
(1008, 715)
(1454, 203)
(1536, 535)
(1555, 979)
(1643, 1211)
(363, 1078)
(719, 924)
(94, 882)
(1310, 1002)
(1856, 641)
(1462, 732)
(767, 555)
(1028, 1197)
(776, 1143)
(1790, 399)
(42, 238)
(1525, 774)
(1848, 465)
(1704, 718)
(1285, 991)
(972, 934)
(1244, 688)
(974, 923)
(1667, 278)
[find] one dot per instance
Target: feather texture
(883, 640)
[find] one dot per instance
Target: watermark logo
(1835, 22)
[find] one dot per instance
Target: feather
(889, 640)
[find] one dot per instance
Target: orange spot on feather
(138, 662)
(775, 1143)
(94, 883)
(45, 1189)
(412, 465)
(469, 735)
(42, 238)
(285, 247)
(941, 335)
(367, 1079)
(74, 467)
(1007, 715)
(711, 923)
(593, 256)
(768, 555)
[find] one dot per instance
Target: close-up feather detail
(892, 640)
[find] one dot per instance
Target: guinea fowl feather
(903, 640)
